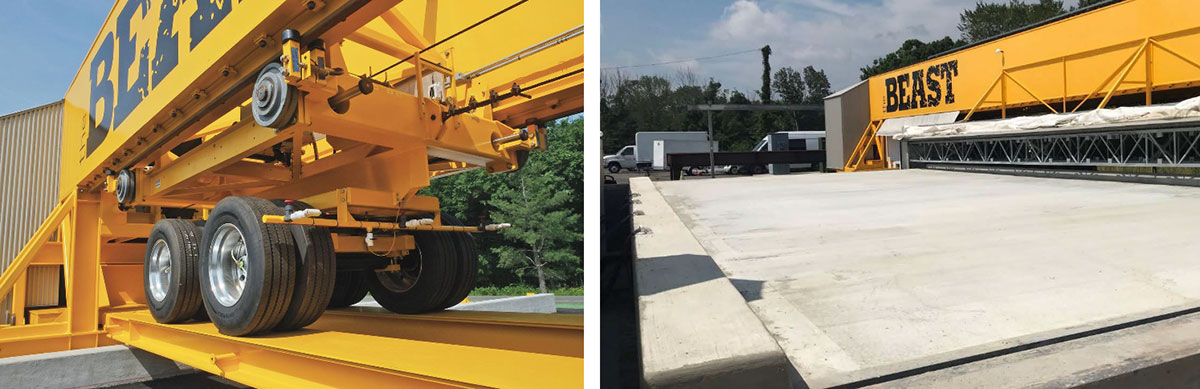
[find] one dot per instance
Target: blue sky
(839, 36)
(44, 43)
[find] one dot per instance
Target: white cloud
(838, 37)
(744, 20)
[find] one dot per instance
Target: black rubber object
(614, 167)
(434, 283)
(468, 262)
(315, 272)
(271, 262)
(349, 288)
(182, 300)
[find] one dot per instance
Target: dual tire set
(249, 277)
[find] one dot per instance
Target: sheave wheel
(171, 283)
(467, 258)
(424, 282)
(314, 273)
(349, 288)
(247, 268)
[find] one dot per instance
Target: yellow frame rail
(375, 350)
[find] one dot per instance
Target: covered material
(1189, 108)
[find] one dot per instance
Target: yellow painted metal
(861, 159)
(1068, 62)
(163, 75)
(358, 349)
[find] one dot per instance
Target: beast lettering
(922, 88)
(130, 62)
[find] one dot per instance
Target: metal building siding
(30, 150)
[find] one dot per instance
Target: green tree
(816, 85)
(910, 52)
(790, 85)
(544, 226)
(991, 19)
(1088, 3)
(764, 94)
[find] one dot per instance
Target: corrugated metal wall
(30, 148)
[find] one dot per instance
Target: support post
(83, 271)
(712, 159)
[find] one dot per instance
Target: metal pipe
(523, 135)
(553, 41)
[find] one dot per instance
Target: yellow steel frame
(374, 349)
(867, 144)
(1062, 77)
(369, 160)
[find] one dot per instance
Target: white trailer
(642, 151)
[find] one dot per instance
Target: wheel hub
(402, 280)
(228, 264)
(160, 270)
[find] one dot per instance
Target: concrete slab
(538, 303)
(93, 367)
(865, 274)
(696, 331)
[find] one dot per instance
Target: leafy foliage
(910, 52)
(553, 196)
(990, 19)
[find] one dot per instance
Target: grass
(521, 290)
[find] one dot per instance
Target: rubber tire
(183, 300)
(759, 169)
(614, 167)
(348, 289)
(432, 287)
(468, 262)
(316, 264)
(271, 258)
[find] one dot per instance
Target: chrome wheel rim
(227, 264)
(160, 270)
(402, 280)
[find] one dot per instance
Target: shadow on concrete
(157, 367)
(683, 270)
(751, 290)
(187, 381)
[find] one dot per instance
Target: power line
(679, 61)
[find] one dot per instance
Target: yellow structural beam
(371, 350)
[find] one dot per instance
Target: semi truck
(640, 155)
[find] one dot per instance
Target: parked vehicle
(641, 153)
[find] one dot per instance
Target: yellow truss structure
(1057, 71)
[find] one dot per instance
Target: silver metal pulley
(274, 101)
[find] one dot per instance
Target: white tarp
(892, 127)
(1189, 108)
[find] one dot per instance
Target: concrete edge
(537, 303)
(998, 349)
(1159, 354)
(695, 328)
(92, 367)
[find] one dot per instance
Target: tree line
(629, 105)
